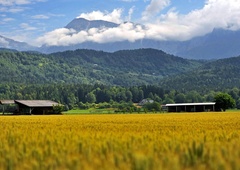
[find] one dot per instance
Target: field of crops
(124, 141)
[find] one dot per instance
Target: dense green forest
(124, 68)
(215, 75)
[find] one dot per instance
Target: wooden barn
(191, 107)
(37, 107)
(5, 105)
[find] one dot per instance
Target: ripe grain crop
(123, 141)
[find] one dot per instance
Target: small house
(145, 101)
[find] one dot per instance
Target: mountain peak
(80, 24)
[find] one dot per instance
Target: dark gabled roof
(7, 102)
(37, 103)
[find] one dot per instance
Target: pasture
(121, 141)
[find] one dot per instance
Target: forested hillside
(215, 75)
(79, 78)
(125, 68)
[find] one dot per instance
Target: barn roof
(7, 102)
(191, 104)
(37, 103)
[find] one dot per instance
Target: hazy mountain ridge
(8, 43)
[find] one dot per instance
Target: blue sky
(41, 22)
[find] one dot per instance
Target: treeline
(78, 95)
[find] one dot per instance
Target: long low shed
(35, 106)
(191, 107)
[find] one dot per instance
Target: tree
(90, 97)
(57, 109)
(155, 106)
(224, 101)
(180, 98)
(129, 96)
(168, 100)
(238, 103)
(150, 96)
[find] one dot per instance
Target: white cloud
(14, 2)
(114, 16)
(27, 27)
(130, 12)
(52, 38)
(8, 19)
(169, 26)
(154, 8)
(18, 2)
(65, 37)
(15, 6)
(40, 16)
(215, 14)
(12, 9)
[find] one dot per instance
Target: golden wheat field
(123, 141)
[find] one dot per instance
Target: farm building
(191, 107)
(6, 105)
(37, 107)
(145, 101)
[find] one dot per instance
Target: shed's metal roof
(7, 102)
(37, 103)
(191, 104)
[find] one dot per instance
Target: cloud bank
(168, 26)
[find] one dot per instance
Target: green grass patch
(90, 111)
(233, 110)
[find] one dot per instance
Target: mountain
(16, 45)
(215, 75)
(215, 45)
(80, 24)
(124, 68)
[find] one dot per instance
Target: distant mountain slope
(215, 75)
(16, 45)
(217, 44)
(125, 68)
